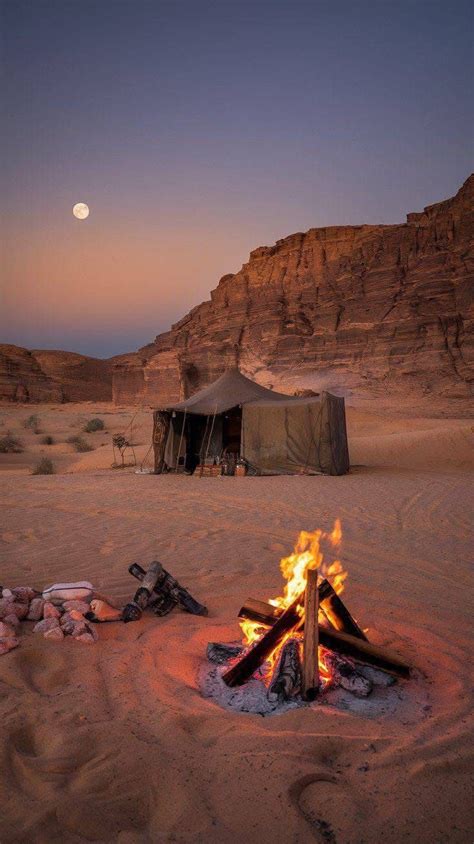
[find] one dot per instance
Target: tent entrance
(232, 431)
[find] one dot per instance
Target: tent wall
(280, 438)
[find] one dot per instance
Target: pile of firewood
(159, 591)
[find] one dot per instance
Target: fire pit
(302, 645)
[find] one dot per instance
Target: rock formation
(81, 378)
(369, 308)
(364, 309)
(22, 379)
(51, 376)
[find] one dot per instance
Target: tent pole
(180, 440)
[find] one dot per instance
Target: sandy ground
(114, 742)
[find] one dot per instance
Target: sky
(197, 131)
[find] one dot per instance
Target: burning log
(242, 670)
(287, 676)
(310, 684)
(337, 612)
(133, 610)
(166, 583)
(346, 676)
(220, 654)
(334, 640)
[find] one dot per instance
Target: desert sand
(114, 742)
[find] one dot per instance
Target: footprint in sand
(44, 759)
(38, 672)
(327, 805)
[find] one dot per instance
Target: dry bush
(44, 467)
(10, 444)
(93, 425)
(79, 443)
(47, 440)
(32, 423)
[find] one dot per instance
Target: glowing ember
(308, 554)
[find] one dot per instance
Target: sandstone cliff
(82, 378)
(367, 309)
(22, 379)
(53, 376)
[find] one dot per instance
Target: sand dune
(114, 742)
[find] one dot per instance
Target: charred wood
(162, 605)
(221, 653)
(168, 584)
(347, 676)
(133, 610)
(286, 680)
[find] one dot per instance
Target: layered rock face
(22, 379)
(51, 376)
(81, 378)
(347, 308)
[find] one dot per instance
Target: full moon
(81, 210)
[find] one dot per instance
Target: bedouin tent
(272, 432)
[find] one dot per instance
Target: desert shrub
(44, 467)
(10, 444)
(32, 423)
(47, 440)
(79, 443)
(93, 425)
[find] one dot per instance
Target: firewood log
(346, 676)
(337, 612)
(162, 605)
(310, 684)
(220, 653)
(242, 670)
(286, 678)
(167, 583)
(133, 610)
(343, 643)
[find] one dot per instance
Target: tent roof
(230, 390)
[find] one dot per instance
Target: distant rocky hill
(53, 376)
(368, 309)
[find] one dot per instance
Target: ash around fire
(371, 693)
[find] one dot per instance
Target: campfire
(306, 641)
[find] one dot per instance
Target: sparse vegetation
(79, 443)
(44, 467)
(10, 444)
(93, 425)
(32, 423)
(47, 440)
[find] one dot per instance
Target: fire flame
(308, 554)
